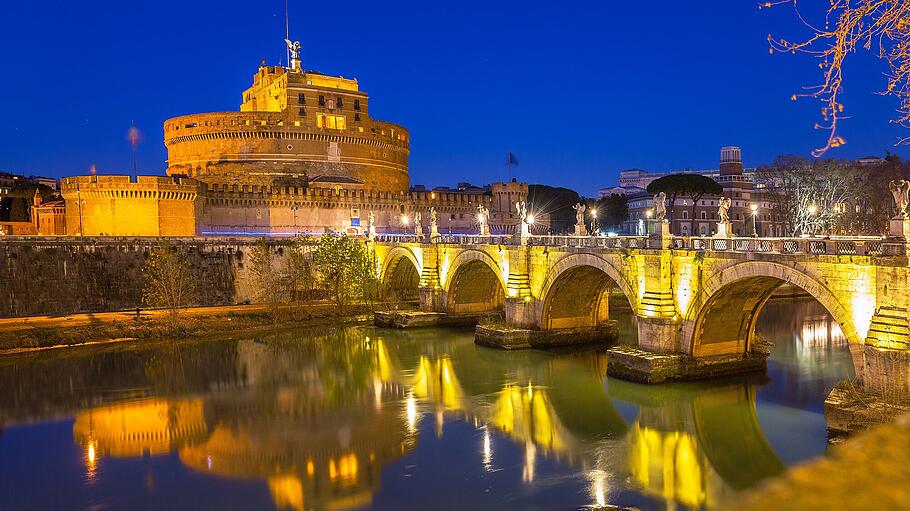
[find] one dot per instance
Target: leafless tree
(882, 26)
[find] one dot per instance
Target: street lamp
(754, 208)
(405, 220)
(812, 209)
(594, 225)
(530, 219)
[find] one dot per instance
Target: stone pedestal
(724, 230)
(509, 338)
(658, 335)
(638, 365)
(886, 373)
(431, 299)
(521, 313)
(434, 232)
(418, 231)
(580, 230)
(900, 227)
(484, 229)
(371, 232)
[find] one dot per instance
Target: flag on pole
(513, 160)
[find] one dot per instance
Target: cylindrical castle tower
(293, 127)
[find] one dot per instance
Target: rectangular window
(340, 102)
(321, 100)
(301, 98)
(357, 117)
(302, 112)
(357, 105)
(332, 122)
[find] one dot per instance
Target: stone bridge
(695, 300)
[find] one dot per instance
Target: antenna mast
(287, 30)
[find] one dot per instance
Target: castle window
(332, 122)
(357, 104)
(302, 112)
(330, 104)
(357, 117)
(321, 100)
(301, 98)
(340, 102)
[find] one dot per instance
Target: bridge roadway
(692, 296)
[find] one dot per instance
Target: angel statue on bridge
(723, 209)
(579, 213)
(522, 211)
(660, 206)
(900, 190)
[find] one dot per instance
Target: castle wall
(61, 275)
(117, 206)
(261, 147)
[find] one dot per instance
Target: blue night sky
(577, 90)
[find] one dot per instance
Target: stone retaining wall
(64, 275)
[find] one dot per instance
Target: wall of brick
(61, 275)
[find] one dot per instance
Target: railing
(862, 246)
(859, 246)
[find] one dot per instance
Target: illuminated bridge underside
(695, 301)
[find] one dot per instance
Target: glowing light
(527, 472)
(862, 299)
(812, 209)
(649, 213)
(754, 208)
(530, 219)
(405, 220)
(598, 488)
(411, 412)
(91, 452)
(480, 218)
(487, 450)
(684, 288)
(593, 212)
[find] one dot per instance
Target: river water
(366, 418)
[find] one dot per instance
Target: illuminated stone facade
(293, 127)
(303, 156)
(701, 302)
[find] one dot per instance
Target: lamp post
(594, 225)
(812, 210)
(648, 214)
(404, 222)
(754, 208)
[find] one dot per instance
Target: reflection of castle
(303, 154)
(153, 426)
(318, 420)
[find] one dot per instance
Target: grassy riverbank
(25, 334)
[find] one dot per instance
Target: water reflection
(339, 418)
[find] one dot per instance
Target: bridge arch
(575, 292)
(723, 314)
(400, 275)
(474, 283)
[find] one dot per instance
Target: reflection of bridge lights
(411, 411)
(487, 450)
(527, 473)
(598, 487)
(377, 392)
(208, 461)
(90, 460)
(821, 331)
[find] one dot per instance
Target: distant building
(688, 219)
